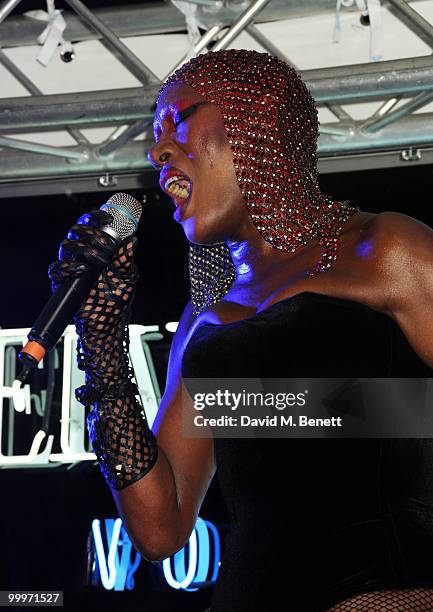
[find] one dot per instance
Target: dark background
(34, 227)
(46, 513)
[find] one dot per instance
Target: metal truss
(391, 136)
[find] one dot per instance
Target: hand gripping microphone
(67, 299)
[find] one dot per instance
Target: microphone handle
(56, 315)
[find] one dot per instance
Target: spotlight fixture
(67, 55)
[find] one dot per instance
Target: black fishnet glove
(118, 430)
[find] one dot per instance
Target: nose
(160, 153)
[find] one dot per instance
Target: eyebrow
(192, 106)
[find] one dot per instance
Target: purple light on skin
(244, 268)
(364, 248)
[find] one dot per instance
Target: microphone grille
(126, 213)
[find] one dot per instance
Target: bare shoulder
(404, 247)
(396, 233)
(402, 229)
(406, 269)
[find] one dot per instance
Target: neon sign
(18, 403)
(114, 566)
(199, 559)
(114, 570)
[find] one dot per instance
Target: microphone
(67, 299)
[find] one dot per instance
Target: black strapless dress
(314, 521)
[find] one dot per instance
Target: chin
(202, 236)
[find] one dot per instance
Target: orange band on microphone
(35, 350)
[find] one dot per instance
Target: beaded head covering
(272, 126)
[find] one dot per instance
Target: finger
(60, 271)
(95, 218)
(72, 250)
(92, 237)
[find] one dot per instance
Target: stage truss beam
(132, 109)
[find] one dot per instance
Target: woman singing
(285, 282)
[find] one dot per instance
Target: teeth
(172, 185)
(173, 179)
(177, 190)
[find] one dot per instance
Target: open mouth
(179, 186)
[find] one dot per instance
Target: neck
(255, 260)
(249, 261)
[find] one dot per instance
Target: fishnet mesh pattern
(121, 438)
(418, 599)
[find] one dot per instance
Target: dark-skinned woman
(285, 282)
